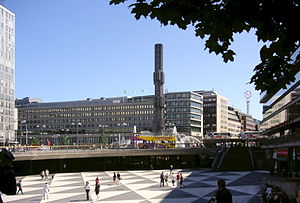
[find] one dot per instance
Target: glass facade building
(7, 76)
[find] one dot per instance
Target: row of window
(85, 109)
(8, 98)
(6, 14)
(6, 76)
(6, 111)
(183, 116)
(183, 103)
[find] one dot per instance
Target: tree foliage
(275, 22)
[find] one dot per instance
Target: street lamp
(102, 132)
(121, 125)
(77, 124)
(26, 131)
(41, 131)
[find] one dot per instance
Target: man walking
(19, 185)
(162, 180)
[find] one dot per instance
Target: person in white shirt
(87, 190)
(46, 191)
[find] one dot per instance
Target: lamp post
(26, 132)
(102, 127)
(41, 131)
(77, 124)
(121, 125)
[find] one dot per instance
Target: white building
(7, 75)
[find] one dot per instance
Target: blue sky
(76, 49)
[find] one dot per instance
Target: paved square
(140, 186)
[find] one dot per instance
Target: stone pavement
(140, 186)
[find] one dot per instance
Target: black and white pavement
(140, 186)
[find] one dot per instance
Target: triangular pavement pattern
(126, 196)
(108, 194)
(23, 198)
(175, 194)
(199, 192)
(140, 186)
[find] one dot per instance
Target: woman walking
(97, 189)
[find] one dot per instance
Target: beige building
(278, 118)
(215, 112)
(234, 122)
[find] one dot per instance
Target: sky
(76, 49)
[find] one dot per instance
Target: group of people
(117, 178)
(87, 188)
(274, 194)
(44, 174)
(165, 177)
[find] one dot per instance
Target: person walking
(223, 195)
(172, 178)
(177, 179)
(162, 180)
(114, 178)
(46, 191)
(97, 180)
(118, 178)
(171, 169)
(181, 181)
(19, 185)
(42, 174)
(166, 178)
(87, 190)
(46, 174)
(97, 189)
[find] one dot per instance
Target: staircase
(234, 159)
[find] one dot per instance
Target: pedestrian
(171, 169)
(46, 174)
(177, 179)
(166, 178)
(87, 190)
(97, 189)
(172, 177)
(19, 185)
(223, 195)
(42, 174)
(97, 180)
(46, 191)
(162, 179)
(114, 178)
(181, 181)
(119, 178)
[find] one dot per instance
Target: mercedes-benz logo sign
(247, 94)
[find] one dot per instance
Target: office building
(248, 123)
(215, 112)
(234, 122)
(7, 76)
(185, 111)
(91, 118)
(281, 124)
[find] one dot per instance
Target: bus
(216, 135)
(151, 142)
(251, 135)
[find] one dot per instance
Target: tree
(275, 23)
